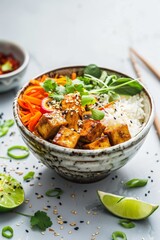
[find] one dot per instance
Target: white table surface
(62, 33)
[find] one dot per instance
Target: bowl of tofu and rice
(84, 121)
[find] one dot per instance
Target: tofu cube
(118, 134)
(72, 118)
(66, 138)
(49, 124)
(91, 130)
(71, 102)
(102, 142)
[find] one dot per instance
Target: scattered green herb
(23, 148)
(7, 232)
(56, 192)
(28, 176)
(97, 114)
(135, 182)
(126, 223)
(116, 235)
(4, 128)
(40, 220)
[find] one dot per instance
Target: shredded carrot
(35, 82)
(33, 100)
(43, 78)
(31, 89)
(26, 117)
(30, 103)
(73, 76)
(34, 120)
(22, 103)
(106, 106)
(60, 80)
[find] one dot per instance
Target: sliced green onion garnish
(135, 182)
(56, 192)
(8, 123)
(7, 232)
(87, 100)
(126, 223)
(23, 148)
(97, 114)
(5, 127)
(116, 235)
(28, 176)
(3, 131)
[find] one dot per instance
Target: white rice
(127, 110)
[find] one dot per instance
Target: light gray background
(62, 33)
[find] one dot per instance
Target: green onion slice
(3, 131)
(28, 176)
(126, 223)
(7, 232)
(56, 192)
(116, 235)
(23, 148)
(135, 182)
(97, 114)
(87, 100)
(8, 123)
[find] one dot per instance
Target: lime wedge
(126, 207)
(11, 193)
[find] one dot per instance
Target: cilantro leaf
(41, 220)
(57, 97)
(49, 85)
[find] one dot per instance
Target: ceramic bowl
(11, 80)
(84, 166)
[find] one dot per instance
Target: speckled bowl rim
(89, 153)
(23, 65)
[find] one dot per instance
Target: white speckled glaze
(11, 80)
(80, 165)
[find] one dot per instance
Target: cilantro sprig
(39, 220)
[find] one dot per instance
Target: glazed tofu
(118, 134)
(102, 142)
(91, 130)
(66, 138)
(71, 102)
(49, 124)
(72, 118)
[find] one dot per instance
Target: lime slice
(126, 207)
(11, 193)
